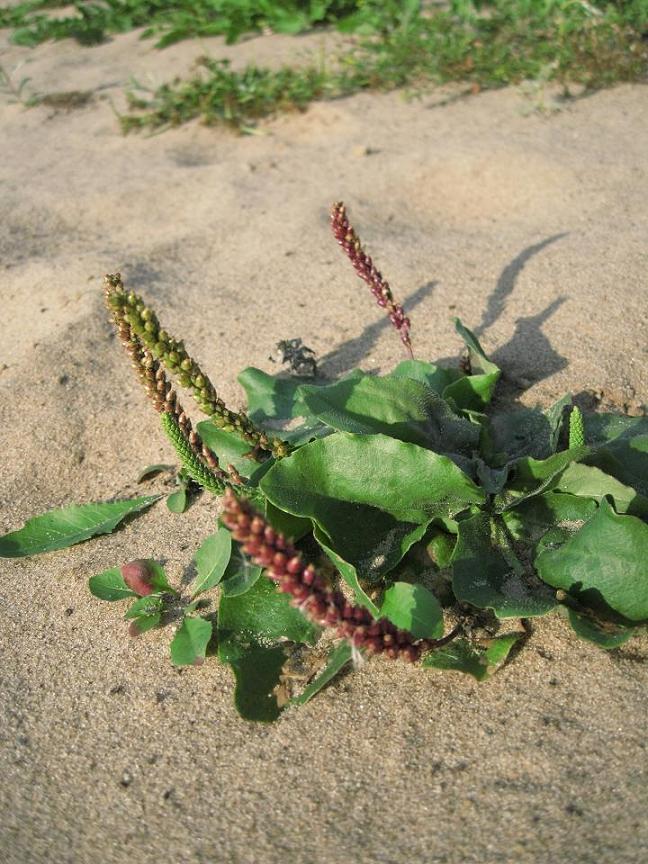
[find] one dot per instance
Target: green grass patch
(491, 47)
(483, 43)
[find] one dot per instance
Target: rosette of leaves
(427, 504)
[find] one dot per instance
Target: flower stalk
(310, 591)
(368, 272)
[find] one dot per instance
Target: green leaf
(59, 529)
(476, 390)
(534, 517)
(152, 470)
(338, 658)
(159, 581)
(177, 501)
(591, 482)
(413, 608)
(240, 574)
(316, 480)
(487, 573)
(264, 613)
(249, 626)
(399, 407)
(525, 432)
(211, 558)
(531, 476)
(366, 512)
(603, 634)
(276, 398)
(292, 527)
(603, 564)
(229, 448)
(271, 397)
(603, 428)
(145, 606)
(110, 585)
(144, 623)
(349, 573)
(464, 656)
(625, 458)
(190, 642)
(436, 377)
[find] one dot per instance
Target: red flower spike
(308, 589)
(367, 271)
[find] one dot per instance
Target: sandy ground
(533, 229)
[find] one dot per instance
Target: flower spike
(310, 591)
(138, 325)
(366, 270)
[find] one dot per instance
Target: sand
(532, 227)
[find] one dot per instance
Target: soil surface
(532, 228)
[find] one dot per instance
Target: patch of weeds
(17, 88)
(487, 45)
(404, 516)
(172, 22)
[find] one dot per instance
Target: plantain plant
(397, 514)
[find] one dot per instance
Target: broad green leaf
(478, 359)
(240, 574)
(264, 613)
(401, 408)
(249, 627)
(152, 470)
(338, 658)
(338, 475)
(464, 656)
(487, 573)
(308, 431)
(59, 529)
(591, 482)
(603, 634)
(370, 516)
(190, 642)
(110, 585)
(270, 397)
(145, 606)
(177, 501)
(603, 564)
(436, 377)
(229, 448)
(211, 558)
(556, 416)
(476, 390)
(348, 572)
(531, 476)
(534, 517)
(413, 608)
(292, 527)
(525, 432)
(625, 458)
(603, 428)
(275, 398)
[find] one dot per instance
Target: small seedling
(404, 515)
